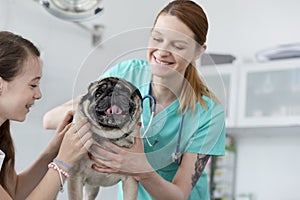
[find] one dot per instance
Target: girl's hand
(55, 143)
(120, 160)
(76, 142)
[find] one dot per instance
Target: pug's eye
(97, 94)
(103, 87)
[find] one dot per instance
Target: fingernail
(89, 154)
(139, 124)
(93, 166)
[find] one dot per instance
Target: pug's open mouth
(113, 111)
(113, 103)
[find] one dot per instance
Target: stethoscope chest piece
(176, 157)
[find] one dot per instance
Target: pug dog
(113, 108)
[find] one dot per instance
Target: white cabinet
(260, 95)
(269, 94)
(222, 81)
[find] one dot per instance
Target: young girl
(20, 74)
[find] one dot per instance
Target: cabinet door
(222, 81)
(270, 94)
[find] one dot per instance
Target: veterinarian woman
(187, 120)
(20, 74)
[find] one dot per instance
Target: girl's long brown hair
(7, 146)
(14, 50)
(191, 14)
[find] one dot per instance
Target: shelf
(264, 131)
(269, 94)
(221, 81)
(258, 96)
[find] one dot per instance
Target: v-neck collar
(173, 107)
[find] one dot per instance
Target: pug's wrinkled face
(112, 104)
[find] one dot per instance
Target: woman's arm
(133, 162)
(53, 117)
(189, 172)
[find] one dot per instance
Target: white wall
(243, 27)
(268, 166)
(237, 27)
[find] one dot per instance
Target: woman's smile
(162, 62)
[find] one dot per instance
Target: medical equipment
(72, 10)
(153, 102)
(176, 156)
(77, 11)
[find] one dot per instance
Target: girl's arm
(29, 179)
(39, 182)
(3, 194)
(48, 187)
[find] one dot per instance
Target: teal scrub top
(202, 132)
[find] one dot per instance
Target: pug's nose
(114, 109)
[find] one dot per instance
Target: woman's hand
(52, 119)
(121, 160)
(76, 142)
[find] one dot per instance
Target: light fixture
(96, 32)
(72, 10)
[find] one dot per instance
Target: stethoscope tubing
(153, 107)
(176, 156)
(179, 134)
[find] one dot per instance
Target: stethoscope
(176, 156)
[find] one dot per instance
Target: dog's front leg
(130, 188)
(75, 187)
(90, 192)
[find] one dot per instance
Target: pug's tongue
(114, 109)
